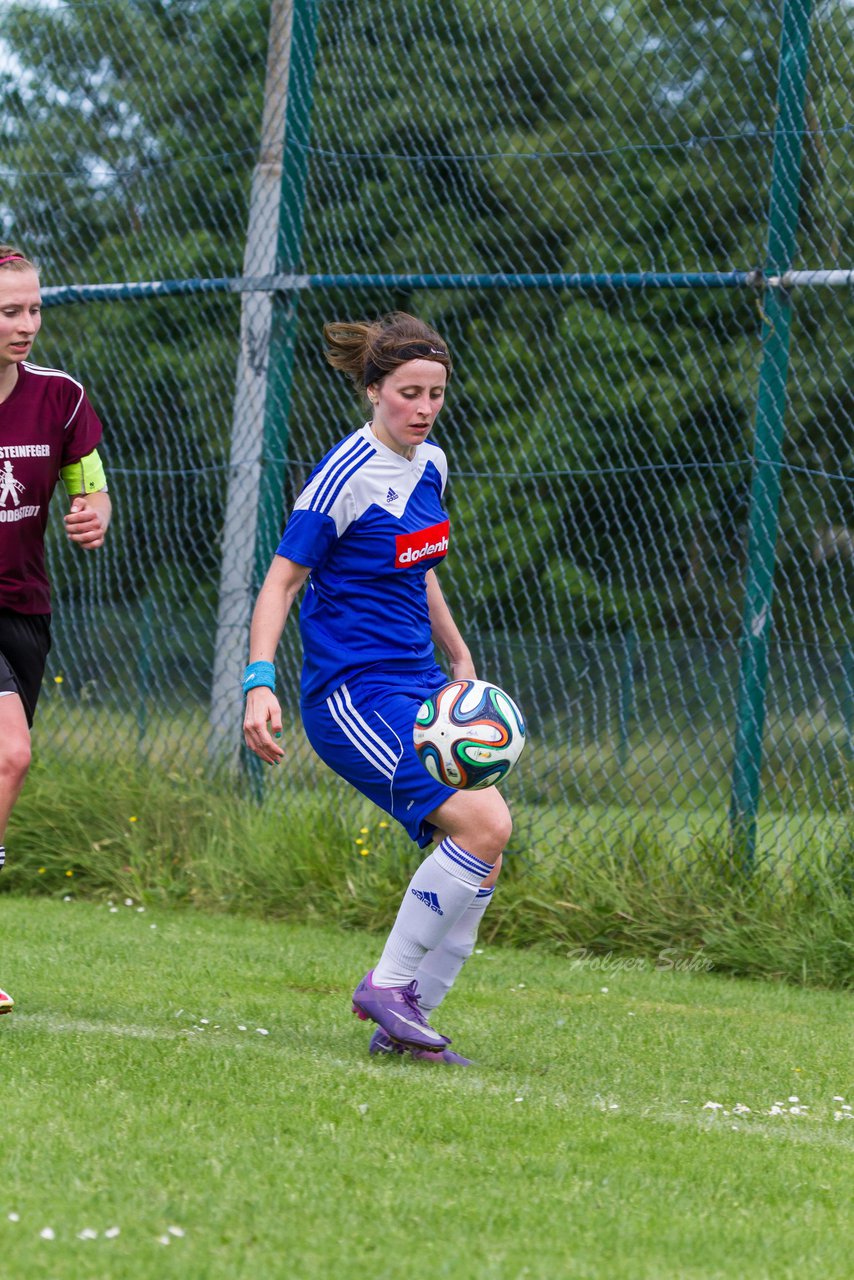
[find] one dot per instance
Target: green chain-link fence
(596, 204)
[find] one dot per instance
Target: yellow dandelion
(364, 852)
(132, 819)
(69, 873)
(383, 824)
(359, 840)
(42, 870)
(57, 679)
(363, 831)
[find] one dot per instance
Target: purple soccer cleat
(397, 1011)
(383, 1044)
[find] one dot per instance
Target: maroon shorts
(24, 646)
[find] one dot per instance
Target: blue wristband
(259, 673)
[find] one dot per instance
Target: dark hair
(367, 351)
(15, 260)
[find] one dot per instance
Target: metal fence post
(627, 708)
(848, 698)
(769, 430)
(268, 326)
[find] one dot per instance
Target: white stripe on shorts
(359, 732)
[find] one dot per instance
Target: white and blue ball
(469, 734)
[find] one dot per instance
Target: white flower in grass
(519, 1098)
(262, 1031)
(240, 1027)
(740, 1109)
(47, 1233)
(87, 1234)
(163, 1240)
(128, 902)
(14, 1217)
(113, 911)
(713, 1106)
(837, 1097)
(111, 1233)
(363, 1107)
(176, 1231)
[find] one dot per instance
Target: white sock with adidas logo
(440, 968)
(443, 887)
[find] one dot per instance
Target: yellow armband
(85, 476)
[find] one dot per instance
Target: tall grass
(92, 827)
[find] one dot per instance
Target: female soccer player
(48, 430)
(367, 534)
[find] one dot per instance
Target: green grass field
(187, 1095)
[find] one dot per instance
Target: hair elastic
(13, 257)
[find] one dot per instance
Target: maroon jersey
(46, 423)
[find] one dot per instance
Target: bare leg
(14, 763)
(14, 755)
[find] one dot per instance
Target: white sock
(445, 884)
(440, 968)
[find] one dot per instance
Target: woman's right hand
(262, 724)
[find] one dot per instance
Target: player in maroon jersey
(48, 431)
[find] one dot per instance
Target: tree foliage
(600, 441)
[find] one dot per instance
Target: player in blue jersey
(367, 535)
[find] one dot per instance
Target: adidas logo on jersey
(430, 900)
(391, 496)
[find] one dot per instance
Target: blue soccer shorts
(363, 731)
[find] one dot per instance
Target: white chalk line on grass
(85, 1026)
(89, 1026)
(431, 1079)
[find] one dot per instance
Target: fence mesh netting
(600, 439)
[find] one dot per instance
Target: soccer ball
(469, 734)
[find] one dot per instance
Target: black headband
(413, 351)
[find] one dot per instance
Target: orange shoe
(6, 1003)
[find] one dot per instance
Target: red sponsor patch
(426, 544)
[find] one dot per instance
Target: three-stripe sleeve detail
(337, 472)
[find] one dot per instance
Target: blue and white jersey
(368, 524)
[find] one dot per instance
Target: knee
(15, 755)
(478, 820)
(499, 830)
(489, 831)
